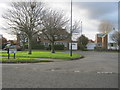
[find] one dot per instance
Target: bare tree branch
(53, 23)
(105, 27)
(25, 17)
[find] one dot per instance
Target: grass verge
(35, 56)
(22, 60)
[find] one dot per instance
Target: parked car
(7, 46)
(19, 48)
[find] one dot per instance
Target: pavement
(96, 70)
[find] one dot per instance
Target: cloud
(91, 13)
(100, 10)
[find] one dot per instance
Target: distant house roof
(63, 37)
(46, 40)
(102, 35)
(91, 41)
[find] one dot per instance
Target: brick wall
(104, 42)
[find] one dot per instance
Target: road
(96, 70)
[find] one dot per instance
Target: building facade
(111, 43)
(105, 41)
(102, 40)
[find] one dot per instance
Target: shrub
(25, 45)
(59, 47)
(56, 47)
(100, 49)
(38, 46)
(82, 47)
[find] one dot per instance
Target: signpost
(11, 49)
(74, 46)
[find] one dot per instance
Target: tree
(25, 17)
(22, 39)
(82, 42)
(105, 27)
(3, 42)
(116, 37)
(76, 27)
(53, 23)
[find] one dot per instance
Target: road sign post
(11, 49)
(8, 53)
(14, 55)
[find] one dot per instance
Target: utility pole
(81, 27)
(81, 32)
(71, 31)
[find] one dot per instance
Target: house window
(99, 44)
(65, 44)
(111, 44)
(62, 43)
(46, 44)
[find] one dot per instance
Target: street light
(81, 32)
(71, 31)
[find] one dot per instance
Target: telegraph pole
(81, 27)
(71, 31)
(81, 32)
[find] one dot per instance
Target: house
(91, 45)
(3, 40)
(0, 40)
(102, 40)
(111, 43)
(105, 41)
(60, 42)
(13, 42)
(62, 39)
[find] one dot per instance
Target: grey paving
(96, 70)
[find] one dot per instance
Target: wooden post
(8, 53)
(14, 55)
(8, 56)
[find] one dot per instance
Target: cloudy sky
(90, 13)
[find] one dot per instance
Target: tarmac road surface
(96, 70)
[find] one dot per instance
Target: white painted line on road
(104, 72)
(52, 70)
(76, 71)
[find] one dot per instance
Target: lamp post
(71, 31)
(81, 32)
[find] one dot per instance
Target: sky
(90, 13)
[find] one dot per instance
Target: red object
(19, 48)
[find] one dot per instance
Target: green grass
(36, 56)
(5, 59)
(58, 55)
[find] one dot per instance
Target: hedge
(59, 47)
(56, 47)
(38, 46)
(100, 49)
